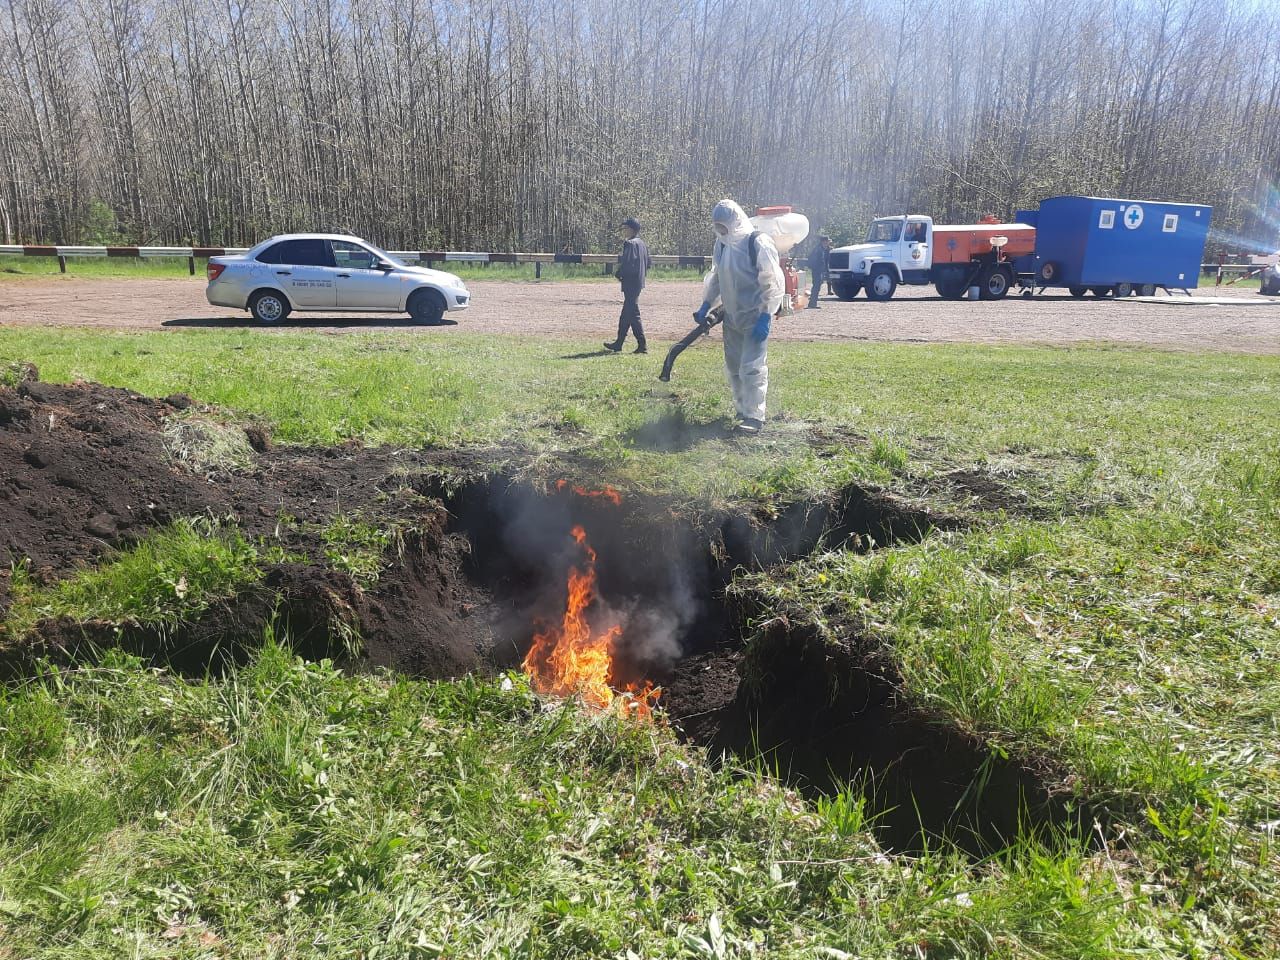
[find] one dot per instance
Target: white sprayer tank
(785, 229)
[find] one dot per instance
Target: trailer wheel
(1123, 290)
(881, 284)
(1101, 291)
(995, 283)
(1147, 290)
(1077, 292)
(845, 290)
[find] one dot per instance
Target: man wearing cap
(819, 262)
(633, 265)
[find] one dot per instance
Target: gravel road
(1246, 322)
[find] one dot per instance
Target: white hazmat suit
(746, 291)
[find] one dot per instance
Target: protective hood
(733, 217)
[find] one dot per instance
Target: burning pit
(616, 599)
(575, 658)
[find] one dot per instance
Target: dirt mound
(83, 469)
(86, 468)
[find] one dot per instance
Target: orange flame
(569, 661)
(608, 493)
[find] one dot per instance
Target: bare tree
(529, 124)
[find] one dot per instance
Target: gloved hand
(760, 332)
(700, 315)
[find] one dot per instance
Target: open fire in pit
(573, 659)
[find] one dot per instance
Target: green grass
(1126, 639)
(362, 548)
(168, 578)
(14, 268)
(1080, 425)
(289, 810)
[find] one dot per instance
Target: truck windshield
(884, 231)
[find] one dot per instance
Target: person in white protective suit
(747, 279)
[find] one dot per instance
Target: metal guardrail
(415, 256)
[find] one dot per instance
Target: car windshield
(384, 255)
(884, 231)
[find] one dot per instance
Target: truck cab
(897, 250)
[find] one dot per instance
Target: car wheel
(847, 291)
(1123, 290)
(1077, 292)
(269, 306)
(1147, 290)
(881, 284)
(995, 284)
(426, 306)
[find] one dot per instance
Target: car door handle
(284, 273)
(345, 276)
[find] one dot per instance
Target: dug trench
(478, 563)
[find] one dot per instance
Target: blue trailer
(1114, 247)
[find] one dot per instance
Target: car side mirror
(383, 266)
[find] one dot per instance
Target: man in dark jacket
(819, 261)
(633, 265)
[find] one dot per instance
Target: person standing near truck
(746, 279)
(633, 267)
(819, 260)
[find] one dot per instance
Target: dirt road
(589, 311)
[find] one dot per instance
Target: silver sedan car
(324, 271)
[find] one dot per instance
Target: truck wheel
(881, 284)
(1123, 290)
(1101, 291)
(995, 283)
(950, 289)
(1147, 290)
(426, 306)
(269, 306)
(1270, 286)
(1077, 292)
(845, 290)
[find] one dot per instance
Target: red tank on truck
(1086, 245)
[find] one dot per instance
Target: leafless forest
(538, 124)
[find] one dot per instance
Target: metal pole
(537, 269)
(191, 266)
(62, 264)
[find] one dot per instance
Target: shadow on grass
(589, 354)
(674, 432)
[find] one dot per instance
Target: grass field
(1124, 635)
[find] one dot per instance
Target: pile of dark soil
(84, 469)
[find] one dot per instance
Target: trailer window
(1170, 223)
(884, 231)
(1106, 220)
